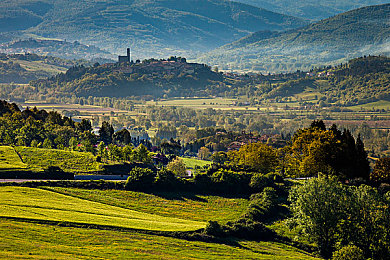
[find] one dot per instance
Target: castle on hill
(127, 58)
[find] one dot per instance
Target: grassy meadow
(24, 238)
(37, 241)
(192, 162)
(71, 161)
(169, 204)
(10, 160)
(38, 204)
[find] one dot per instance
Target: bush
(140, 179)
(262, 206)
(213, 228)
(249, 229)
(166, 179)
(350, 252)
(259, 182)
(56, 173)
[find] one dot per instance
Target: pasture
(10, 160)
(71, 161)
(38, 204)
(37, 241)
(192, 162)
(169, 204)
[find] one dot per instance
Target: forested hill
(153, 28)
(154, 78)
(22, 68)
(352, 34)
(312, 9)
(360, 81)
(57, 48)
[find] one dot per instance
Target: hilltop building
(122, 59)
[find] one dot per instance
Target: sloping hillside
(21, 68)
(152, 28)
(332, 41)
(57, 48)
(311, 9)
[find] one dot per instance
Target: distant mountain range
(334, 40)
(151, 27)
(312, 9)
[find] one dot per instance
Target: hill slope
(151, 28)
(57, 48)
(311, 9)
(21, 68)
(356, 33)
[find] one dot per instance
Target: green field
(25, 238)
(382, 104)
(10, 160)
(38, 158)
(38, 204)
(169, 204)
(192, 162)
(36, 241)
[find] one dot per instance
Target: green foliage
(348, 253)
(255, 156)
(140, 179)
(316, 149)
(178, 167)
(381, 171)
(332, 215)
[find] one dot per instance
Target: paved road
(79, 178)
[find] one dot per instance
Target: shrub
(166, 179)
(350, 252)
(140, 179)
(213, 228)
(259, 182)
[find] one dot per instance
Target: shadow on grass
(179, 196)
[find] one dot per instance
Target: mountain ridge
(334, 40)
(152, 28)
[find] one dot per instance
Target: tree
(256, 156)
(140, 179)
(204, 153)
(122, 137)
(141, 154)
(47, 143)
(73, 143)
(106, 132)
(178, 167)
(317, 208)
(349, 253)
(381, 171)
